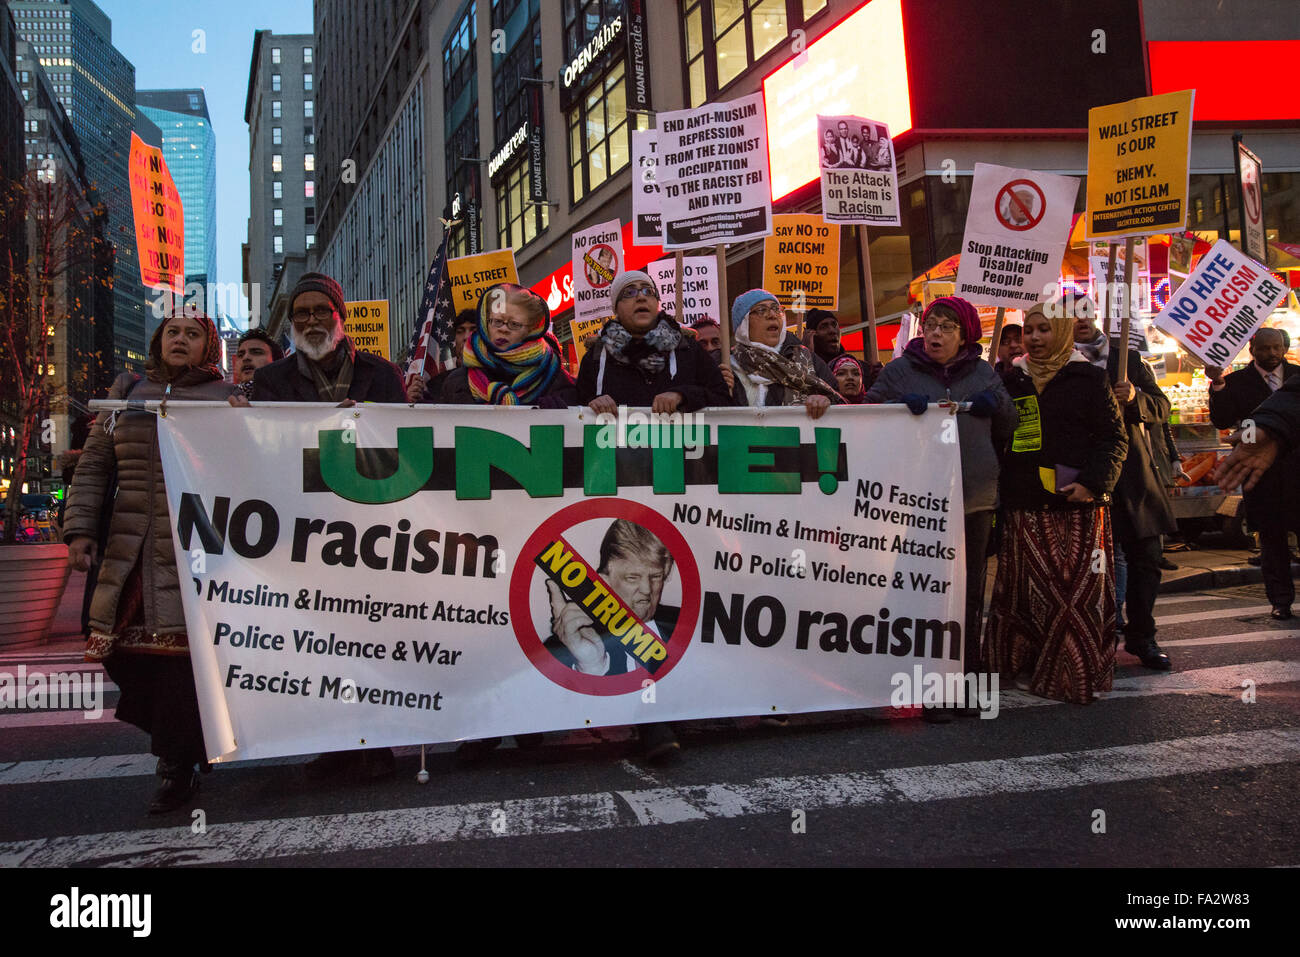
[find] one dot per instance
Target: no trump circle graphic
(1250, 195)
(578, 590)
(1020, 205)
(601, 265)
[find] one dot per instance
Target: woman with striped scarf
(511, 357)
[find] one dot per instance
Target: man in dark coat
(1272, 506)
(827, 347)
(1140, 512)
(325, 366)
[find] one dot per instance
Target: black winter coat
(559, 394)
(1277, 496)
(1078, 425)
(697, 379)
(1140, 504)
(374, 379)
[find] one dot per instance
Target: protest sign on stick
(1221, 304)
(597, 259)
(801, 262)
(858, 176)
(712, 174)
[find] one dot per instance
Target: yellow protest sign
(470, 276)
(366, 323)
(1137, 165)
(581, 328)
(936, 289)
(801, 262)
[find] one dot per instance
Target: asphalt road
(1166, 770)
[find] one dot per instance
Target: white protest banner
(394, 575)
(699, 288)
(1224, 300)
(713, 178)
(1017, 225)
(597, 259)
(647, 222)
(859, 178)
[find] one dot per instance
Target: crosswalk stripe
(1225, 678)
(1210, 614)
(1276, 634)
(342, 833)
(1186, 599)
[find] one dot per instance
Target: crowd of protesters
(1057, 468)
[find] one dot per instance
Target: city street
(1167, 770)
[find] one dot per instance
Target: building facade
(189, 147)
(72, 40)
(280, 110)
(573, 80)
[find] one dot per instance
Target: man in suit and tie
(1272, 508)
(844, 143)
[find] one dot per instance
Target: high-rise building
(73, 41)
(190, 149)
(281, 117)
(376, 221)
(61, 222)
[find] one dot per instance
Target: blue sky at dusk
(159, 38)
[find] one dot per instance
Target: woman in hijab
(771, 369)
(848, 379)
(1052, 619)
(137, 624)
(643, 358)
(511, 357)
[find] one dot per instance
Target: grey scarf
(648, 353)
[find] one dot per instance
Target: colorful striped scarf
(518, 375)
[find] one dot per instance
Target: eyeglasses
(948, 327)
(767, 309)
(300, 317)
(631, 292)
(499, 322)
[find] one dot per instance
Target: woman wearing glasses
(945, 363)
(644, 359)
(511, 357)
(771, 368)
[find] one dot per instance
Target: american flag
(432, 328)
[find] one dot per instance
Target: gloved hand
(916, 402)
(983, 404)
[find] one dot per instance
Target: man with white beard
(325, 365)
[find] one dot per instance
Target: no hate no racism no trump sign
(1017, 225)
(1223, 301)
(159, 217)
(1137, 165)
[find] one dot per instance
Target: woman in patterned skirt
(1052, 620)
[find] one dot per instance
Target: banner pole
(724, 320)
(868, 295)
(1126, 309)
(677, 259)
(997, 332)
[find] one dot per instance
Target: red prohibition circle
(521, 579)
(594, 278)
(1015, 200)
(1250, 188)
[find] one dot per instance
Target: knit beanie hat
(815, 317)
(966, 315)
(319, 282)
(747, 301)
(623, 278)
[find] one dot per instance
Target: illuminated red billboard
(857, 68)
(1230, 77)
(557, 288)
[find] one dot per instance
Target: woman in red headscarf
(137, 624)
(945, 363)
